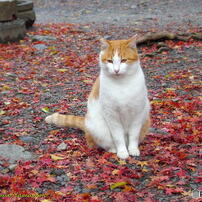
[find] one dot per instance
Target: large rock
(8, 10)
(61, 147)
(25, 11)
(15, 152)
(28, 16)
(12, 31)
(24, 5)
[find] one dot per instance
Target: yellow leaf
(46, 200)
(128, 188)
(2, 112)
(51, 48)
(142, 163)
(60, 193)
(54, 52)
(5, 87)
(87, 81)
(34, 172)
(122, 162)
(76, 153)
(62, 70)
(156, 102)
(117, 184)
(45, 109)
(145, 170)
(191, 77)
(115, 172)
(170, 185)
(160, 187)
(170, 89)
(55, 157)
(91, 186)
(186, 193)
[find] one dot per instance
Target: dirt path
(144, 14)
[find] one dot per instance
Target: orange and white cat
(118, 107)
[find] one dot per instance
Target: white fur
(115, 119)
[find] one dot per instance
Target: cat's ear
(132, 41)
(104, 43)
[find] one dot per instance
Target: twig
(151, 37)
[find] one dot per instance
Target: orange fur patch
(125, 51)
(94, 94)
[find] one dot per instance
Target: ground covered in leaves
(44, 75)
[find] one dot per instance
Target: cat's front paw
(134, 151)
(112, 150)
(123, 154)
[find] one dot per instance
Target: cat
(118, 109)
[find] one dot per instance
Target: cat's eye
(110, 61)
(123, 60)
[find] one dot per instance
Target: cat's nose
(116, 71)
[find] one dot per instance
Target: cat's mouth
(116, 74)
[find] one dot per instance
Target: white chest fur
(124, 96)
(120, 91)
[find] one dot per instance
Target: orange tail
(66, 121)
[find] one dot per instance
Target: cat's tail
(66, 121)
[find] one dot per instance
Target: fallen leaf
(2, 112)
(142, 163)
(62, 70)
(45, 109)
(55, 157)
(117, 184)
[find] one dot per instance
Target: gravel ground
(140, 13)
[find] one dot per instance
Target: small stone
(42, 38)
(197, 36)
(4, 171)
(57, 172)
(9, 74)
(12, 166)
(160, 50)
(149, 55)
(40, 47)
(65, 178)
(157, 130)
(59, 178)
(133, 6)
(161, 44)
(27, 139)
(62, 147)
(39, 190)
(15, 152)
(78, 189)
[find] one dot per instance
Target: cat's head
(119, 57)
